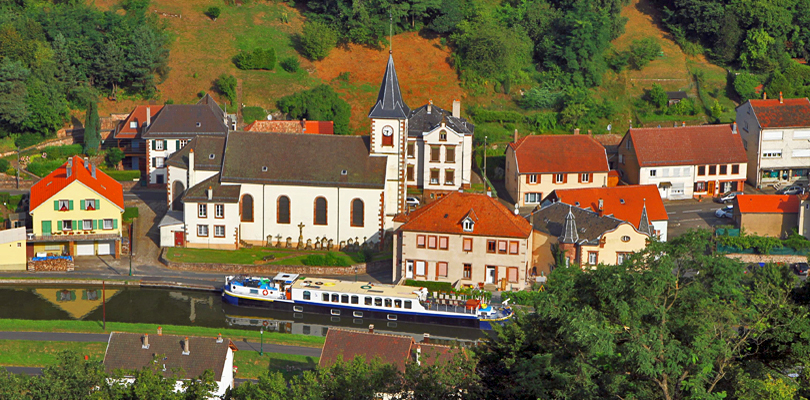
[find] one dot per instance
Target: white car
(412, 201)
(725, 212)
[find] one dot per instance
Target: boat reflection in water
(192, 308)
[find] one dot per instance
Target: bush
(326, 260)
(525, 298)
(250, 114)
(317, 40)
(28, 140)
(43, 168)
(258, 59)
(226, 84)
(130, 213)
(61, 153)
(201, 93)
(4, 165)
(658, 96)
(642, 51)
(113, 157)
(213, 12)
(124, 176)
(318, 104)
(290, 64)
(482, 115)
(540, 98)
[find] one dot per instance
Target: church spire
(389, 101)
(644, 223)
(569, 234)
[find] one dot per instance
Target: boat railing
(454, 308)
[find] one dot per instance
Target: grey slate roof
(302, 159)
(180, 120)
(171, 218)
(389, 100)
(420, 121)
(125, 351)
(644, 222)
(589, 225)
(677, 95)
(569, 233)
(204, 147)
(222, 193)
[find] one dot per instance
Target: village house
(12, 247)
(610, 141)
(772, 215)
(303, 126)
(776, 137)
(627, 203)
(396, 350)
(684, 162)
(174, 127)
(585, 237)
(536, 165)
(76, 210)
(464, 239)
(127, 136)
(168, 353)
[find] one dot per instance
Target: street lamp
(131, 245)
(261, 335)
(486, 183)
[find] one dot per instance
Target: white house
(684, 162)
(776, 138)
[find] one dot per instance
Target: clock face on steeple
(387, 130)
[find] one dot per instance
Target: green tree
(92, 129)
(642, 51)
(320, 103)
(779, 84)
(70, 379)
(47, 107)
(317, 40)
(745, 85)
(491, 51)
(754, 54)
(113, 157)
(658, 96)
(12, 92)
(213, 12)
(226, 85)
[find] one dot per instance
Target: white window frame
(107, 224)
(87, 224)
(159, 162)
(133, 124)
(88, 203)
(772, 135)
(559, 178)
(532, 178)
(64, 204)
(202, 210)
(592, 257)
(532, 198)
(219, 210)
(159, 145)
(217, 229)
(67, 225)
(652, 173)
(772, 154)
(586, 177)
(468, 225)
(202, 230)
(801, 153)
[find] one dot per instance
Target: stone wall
(267, 269)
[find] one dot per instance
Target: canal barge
(289, 292)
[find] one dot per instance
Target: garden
(268, 256)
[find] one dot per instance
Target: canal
(192, 308)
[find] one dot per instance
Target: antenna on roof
(390, 32)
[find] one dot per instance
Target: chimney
(426, 338)
(516, 136)
(69, 170)
(145, 341)
(87, 163)
(418, 355)
(160, 331)
(219, 338)
(781, 100)
(683, 123)
(590, 133)
(93, 171)
(764, 95)
(457, 108)
(430, 106)
(371, 328)
(186, 349)
(734, 128)
(304, 125)
(210, 193)
(601, 205)
(576, 131)
(190, 168)
(148, 116)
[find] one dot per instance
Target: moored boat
(289, 292)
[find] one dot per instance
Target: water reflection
(178, 307)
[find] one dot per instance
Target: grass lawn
(251, 364)
(236, 335)
(29, 353)
(241, 256)
(432, 286)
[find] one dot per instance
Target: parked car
(726, 197)
(801, 268)
(725, 212)
(794, 189)
(412, 201)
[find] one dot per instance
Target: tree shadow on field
(644, 7)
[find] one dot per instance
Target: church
(319, 191)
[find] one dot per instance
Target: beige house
(767, 214)
(586, 237)
(463, 239)
(539, 164)
(12, 249)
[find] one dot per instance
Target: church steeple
(389, 103)
(644, 223)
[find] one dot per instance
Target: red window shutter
(565, 178)
(579, 177)
(527, 178)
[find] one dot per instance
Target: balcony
(71, 236)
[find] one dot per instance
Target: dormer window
(264, 169)
(133, 124)
(443, 136)
(468, 225)
(211, 156)
(199, 124)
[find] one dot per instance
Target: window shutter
(77, 225)
(98, 204)
(154, 164)
(95, 224)
(176, 145)
(56, 205)
(165, 145)
(46, 227)
(579, 177)
(153, 144)
(81, 204)
(527, 178)
(70, 205)
(115, 224)
(565, 178)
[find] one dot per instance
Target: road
(692, 214)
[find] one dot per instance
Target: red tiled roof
(445, 215)
(559, 153)
(623, 202)
(790, 113)
(688, 145)
(608, 139)
(316, 127)
(348, 344)
(57, 180)
(137, 115)
(768, 203)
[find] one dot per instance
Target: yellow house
(586, 237)
(76, 211)
(12, 249)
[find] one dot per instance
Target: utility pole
(104, 306)
(261, 335)
(131, 247)
(486, 182)
(18, 167)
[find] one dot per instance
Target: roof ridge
(358, 331)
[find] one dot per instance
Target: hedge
(124, 176)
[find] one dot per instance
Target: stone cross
(301, 235)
